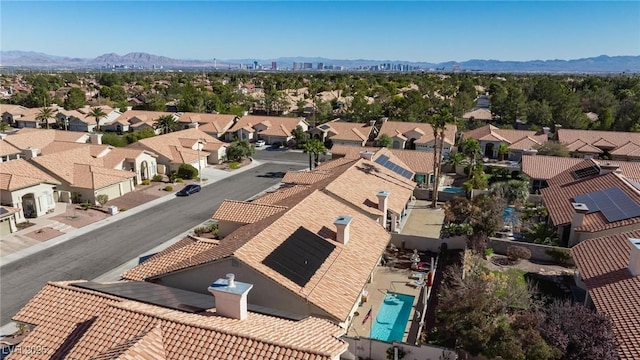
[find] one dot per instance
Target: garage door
(5, 227)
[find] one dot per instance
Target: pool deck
(384, 279)
(423, 220)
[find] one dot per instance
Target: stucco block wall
(538, 252)
(227, 227)
(265, 292)
(14, 199)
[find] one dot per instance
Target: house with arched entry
(417, 136)
(26, 188)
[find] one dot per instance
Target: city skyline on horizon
(510, 31)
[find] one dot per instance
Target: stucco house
(7, 220)
(189, 146)
(78, 120)
(271, 129)
(26, 188)
(342, 132)
(417, 136)
(517, 141)
(163, 323)
(136, 120)
(83, 177)
(609, 270)
(11, 114)
(590, 200)
(215, 125)
(617, 145)
(419, 162)
(7, 151)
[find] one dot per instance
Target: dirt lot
(44, 234)
(77, 217)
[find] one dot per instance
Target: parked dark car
(189, 189)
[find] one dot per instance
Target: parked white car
(260, 143)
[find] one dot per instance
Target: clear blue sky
(432, 31)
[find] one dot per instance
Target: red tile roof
(546, 167)
(558, 201)
(245, 212)
(603, 264)
(492, 133)
(76, 323)
(420, 162)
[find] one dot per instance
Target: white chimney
(342, 228)
(231, 297)
(367, 155)
(634, 257)
(95, 138)
(30, 153)
(579, 211)
(383, 205)
(3, 136)
(372, 123)
(529, 152)
(606, 168)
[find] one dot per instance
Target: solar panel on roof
(613, 203)
(324, 127)
(586, 172)
(390, 165)
(299, 256)
(3, 210)
(154, 294)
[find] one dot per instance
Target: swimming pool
(453, 190)
(392, 318)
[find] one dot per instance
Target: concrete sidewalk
(23, 246)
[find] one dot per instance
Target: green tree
(187, 171)
(166, 124)
(503, 151)
(471, 148)
(97, 113)
(4, 126)
(315, 147)
(75, 99)
(553, 148)
(385, 140)
(514, 192)
(240, 149)
(300, 135)
(541, 233)
(44, 115)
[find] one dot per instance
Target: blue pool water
(392, 318)
(453, 190)
(510, 216)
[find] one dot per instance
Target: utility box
(113, 210)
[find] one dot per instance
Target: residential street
(90, 255)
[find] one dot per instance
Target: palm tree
(315, 147)
(97, 113)
(438, 124)
(44, 115)
(166, 124)
(456, 159)
(471, 148)
(503, 150)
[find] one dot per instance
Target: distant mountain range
(600, 64)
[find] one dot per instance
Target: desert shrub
(453, 229)
(200, 230)
(187, 171)
(102, 199)
(561, 256)
(179, 180)
(146, 182)
(515, 253)
(234, 165)
(86, 205)
(123, 209)
(168, 188)
(157, 178)
(488, 252)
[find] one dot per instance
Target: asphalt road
(288, 156)
(91, 255)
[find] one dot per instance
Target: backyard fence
(539, 252)
(422, 243)
(365, 348)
